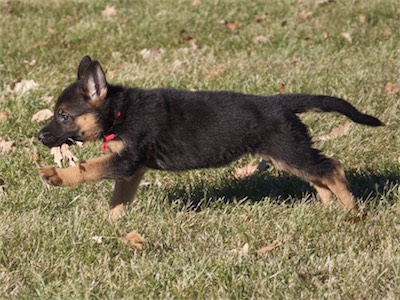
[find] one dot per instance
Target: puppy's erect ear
(95, 84)
(83, 66)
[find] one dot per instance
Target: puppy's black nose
(47, 138)
(41, 136)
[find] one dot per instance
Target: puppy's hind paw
(49, 174)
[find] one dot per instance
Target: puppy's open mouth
(73, 141)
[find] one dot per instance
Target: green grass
(191, 221)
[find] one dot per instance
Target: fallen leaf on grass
(230, 25)
(362, 19)
(109, 12)
(244, 251)
(41, 44)
(152, 54)
(250, 169)
(282, 88)
(51, 31)
(305, 15)
(42, 115)
(275, 244)
(133, 239)
(336, 132)
(260, 39)
(245, 171)
(63, 156)
(217, 72)
(260, 18)
(30, 63)
(22, 86)
(4, 115)
(390, 88)
(347, 36)
(177, 65)
(98, 239)
(270, 247)
(5, 146)
(33, 154)
(388, 32)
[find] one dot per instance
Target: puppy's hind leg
(125, 191)
(323, 173)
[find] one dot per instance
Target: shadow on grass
(368, 187)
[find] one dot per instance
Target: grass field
(203, 228)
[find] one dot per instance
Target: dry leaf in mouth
(133, 239)
(63, 156)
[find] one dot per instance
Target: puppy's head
(77, 114)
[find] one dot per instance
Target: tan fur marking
(90, 170)
(88, 127)
(282, 166)
(116, 146)
(124, 193)
(337, 183)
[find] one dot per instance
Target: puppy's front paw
(116, 213)
(49, 174)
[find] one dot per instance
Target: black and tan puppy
(174, 130)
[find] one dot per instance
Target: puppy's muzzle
(47, 139)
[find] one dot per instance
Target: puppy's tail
(303, 103)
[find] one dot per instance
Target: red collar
(109, 137)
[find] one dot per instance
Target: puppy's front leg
(124, 192)
(90, 170)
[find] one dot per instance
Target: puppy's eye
(65, 117)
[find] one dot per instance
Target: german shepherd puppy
(175, 130)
